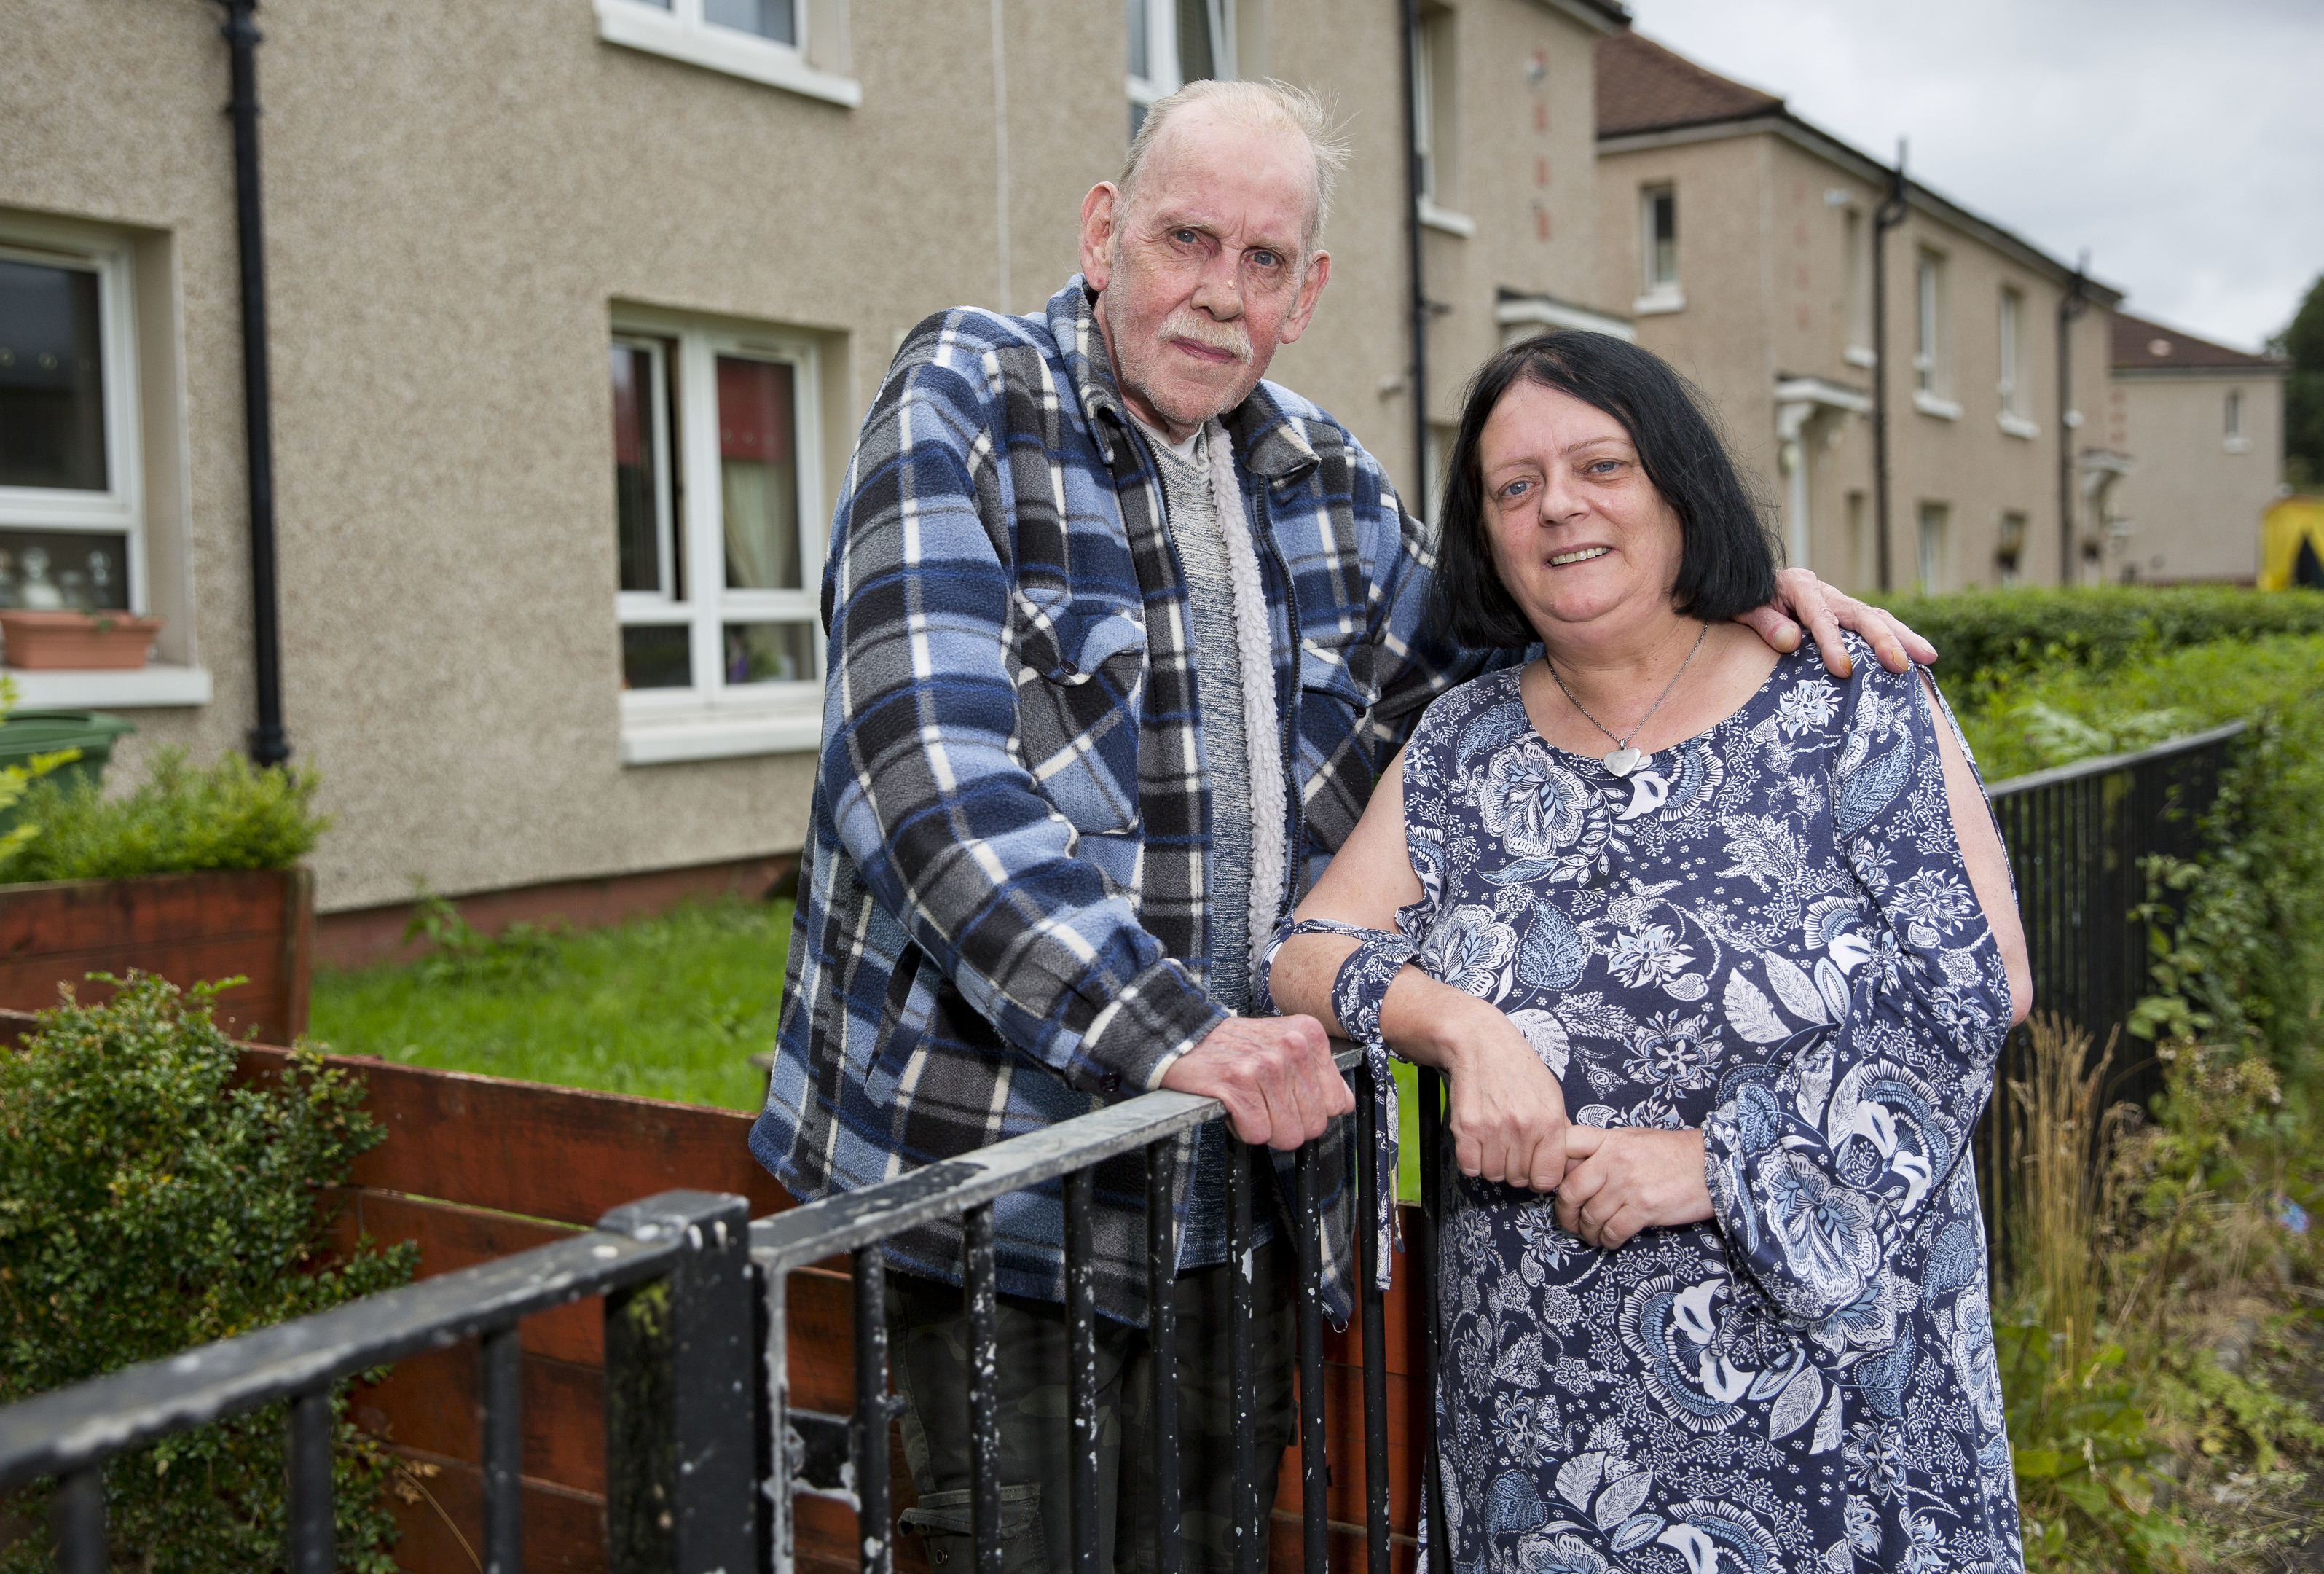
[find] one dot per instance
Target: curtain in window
(758, 475)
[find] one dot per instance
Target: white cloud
(2179, 144)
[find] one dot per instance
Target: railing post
(680, 1435)
(76, 1521)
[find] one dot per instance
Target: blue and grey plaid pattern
(1002, 919)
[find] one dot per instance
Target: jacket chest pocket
(1335, 702)
(1080, 678)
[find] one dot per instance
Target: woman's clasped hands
(1509, 1125)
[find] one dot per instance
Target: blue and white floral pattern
(1768, 933)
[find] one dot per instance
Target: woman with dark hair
(1751, 924)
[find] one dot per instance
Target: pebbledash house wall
(1762, 207)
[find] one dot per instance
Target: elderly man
(1118, 636)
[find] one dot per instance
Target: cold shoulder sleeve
(1821, 1165)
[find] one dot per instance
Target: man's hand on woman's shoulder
(1803, 598)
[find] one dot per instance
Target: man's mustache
(1188, 323)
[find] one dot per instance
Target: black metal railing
(680, 1428)
(698, 1391)
(847, 1457)
(2078, 839)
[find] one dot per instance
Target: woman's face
(1578, 532)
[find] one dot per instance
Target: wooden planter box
(255, 923)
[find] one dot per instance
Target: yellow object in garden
(2290, 524)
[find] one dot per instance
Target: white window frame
(1433, 112)
(120, 508)
(678, 31)
(714, 720)
(1657, 294)
(1932, 546)
(1931, 365)
(1855, 242)
(1162, 76)
(2010, 331)
(2236, 439)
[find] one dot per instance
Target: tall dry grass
(2061, 1151)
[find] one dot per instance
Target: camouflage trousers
(927, 1331)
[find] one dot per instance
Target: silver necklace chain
(1622, 745)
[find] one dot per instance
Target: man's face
(1199, 275)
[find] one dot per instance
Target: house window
(1859, 350)
(1435, 103)
(1659, 206)
(1935, 522)
(2013, 385)
(2236, 442)
(1173, 42)
(1928, 290)
(2009, 548)
(717, 537)
(766, 40)
(1931, 328)
(72, 503)
(2012, 380)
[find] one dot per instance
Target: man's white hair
(1268, 106)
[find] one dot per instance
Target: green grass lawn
(665, 1007)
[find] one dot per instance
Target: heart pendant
(1622, 761)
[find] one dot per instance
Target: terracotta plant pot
(87, 641)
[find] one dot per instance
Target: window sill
(149, 688)
(710, 735)
(1446, 221)
(638, 26)
(1655, 302)
(1860, 356)
(1929, 403)
(2238, 445)
(2019, 426)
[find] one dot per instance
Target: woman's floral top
(1766, 932)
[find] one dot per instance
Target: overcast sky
(2182, 144)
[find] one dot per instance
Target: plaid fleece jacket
(1002, 920)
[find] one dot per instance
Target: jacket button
(1110, 1083)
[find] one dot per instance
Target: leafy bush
(229, 815)
(1982, 635)
(15, 781)
(2164, 1419)
(148, 1204)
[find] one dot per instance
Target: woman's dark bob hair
(1727, 562)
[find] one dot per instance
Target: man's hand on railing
(1274, 1074)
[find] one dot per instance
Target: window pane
(1141, 58)
(640, 500)
(49, 570)
(758, 474)
(1662, 221)
(657, 656)
(1196, 60)
(769, 652)
(51, 379)
(774, 19)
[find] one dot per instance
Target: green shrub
(1984, 635)
(148, 1204)
(229, 815)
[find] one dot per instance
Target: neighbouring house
(1740, 237)
(2207, 424)
(575, 309)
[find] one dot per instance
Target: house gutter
(1417, 504)
(1887, 217)
(269, 744)
(2075, 301)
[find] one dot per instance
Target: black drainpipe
(1887, 217)
(1418, 502)
(269, 744)
(2071, 305)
